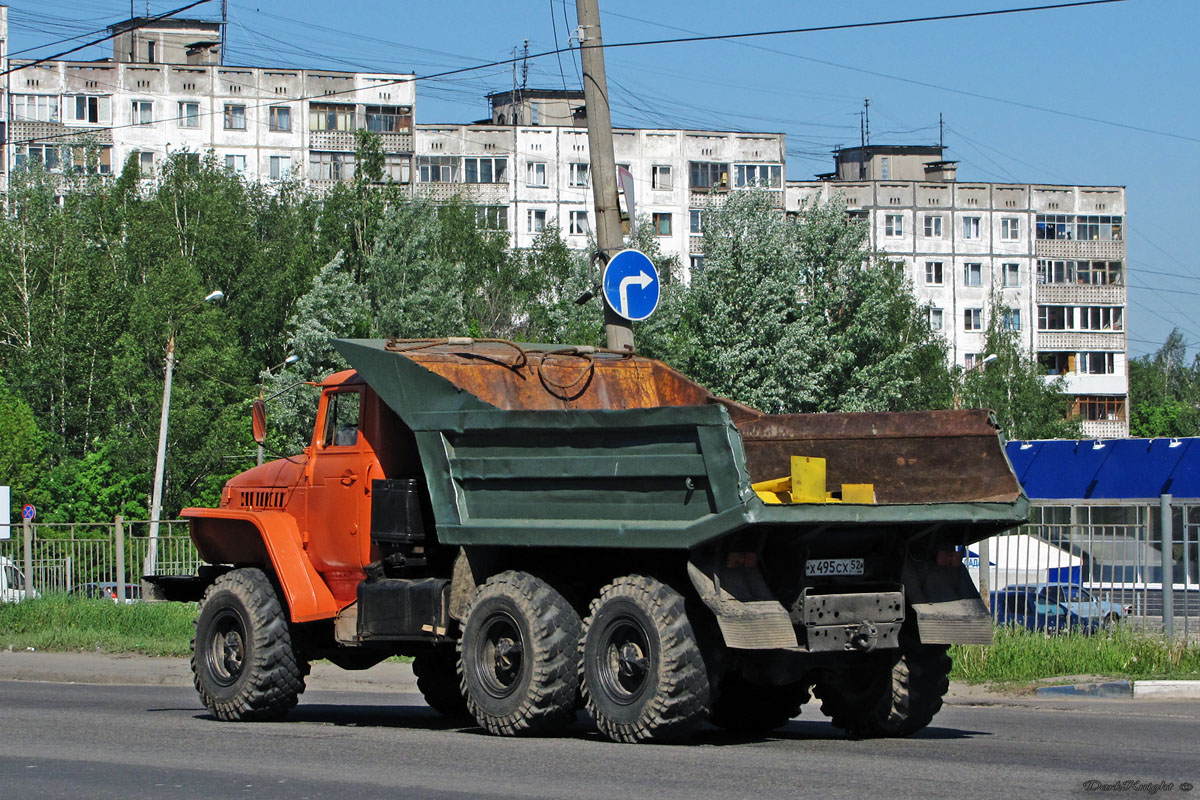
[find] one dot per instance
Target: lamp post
(292, 359)
(151, 562)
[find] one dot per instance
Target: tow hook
(863, 639)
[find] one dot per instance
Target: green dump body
(538, 445)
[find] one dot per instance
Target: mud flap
(946, 604)
(752, 622)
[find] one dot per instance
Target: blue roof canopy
(1112, 469)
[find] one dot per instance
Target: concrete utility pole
(151, 562)
(609, 237)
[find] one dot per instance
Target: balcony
(1072, 249)
(1077, 341)
(1080, 294)
(491, 194)
(1105, 428)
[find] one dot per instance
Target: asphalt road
(92, 741)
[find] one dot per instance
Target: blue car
(1026, 607)
(1078, 600)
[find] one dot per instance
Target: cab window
(342, 413)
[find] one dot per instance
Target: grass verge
(63, 623)
(1022, 655)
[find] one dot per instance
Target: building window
(235, 117)
(535, 173)
(189, 115)
(859, 217)
(1097, 363)
(1056, 318)
(48, 155)
(1057, 363)
(696, 263)
(389, 119)
(970, 227)
(330, 117)
(936, 319)
(491, 218)
(535, 220)
(1093, 409)
(280, 119)
(281, 167)
(91, 160)
(1012, 275)
(1094, 273)
(883, 168)
(661, 178)
(696, 221)
(578, 175)
(1083, 227)
(973, 274)
(971, 360)
(1010, 229)
(397, 167)
(893, 225)
(708, 175)
(662, 224)
(1010, 318)
(235, 163)
(933, 226)
(485, 170)
(1101, 318)
(763, 176)
(330, 166)
(933, 273)
(91, 109)
(150, 51)
(579, 223)
(146, 162)
(143, 112)
(972, 319)
(36, 108)
(437, 169)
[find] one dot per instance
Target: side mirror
(258, 421)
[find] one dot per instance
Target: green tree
(793, 315)
(1015, 386)
(1164, 392)
(21, 457)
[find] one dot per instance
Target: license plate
(833, 566)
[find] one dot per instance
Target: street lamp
(151, 562)
(292, 359)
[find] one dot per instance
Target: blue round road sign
(631, 285)
(29, 512)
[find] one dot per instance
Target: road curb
(1188, 689)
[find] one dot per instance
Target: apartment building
(525, 176)
(264, 123)
(1049, 259)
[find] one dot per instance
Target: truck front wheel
(895, 693)
(437, 680)
(519, 656)
(643, 675)
(243, 662)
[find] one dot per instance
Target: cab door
(338, 497)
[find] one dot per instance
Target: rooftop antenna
(867, 120)
(941, 137)
(525, 66)
(224, 25)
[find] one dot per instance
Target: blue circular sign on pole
(631, 285)
(29, 512)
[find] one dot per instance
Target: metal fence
(61, 557)
(1097, 564)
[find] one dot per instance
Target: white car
(12, 582)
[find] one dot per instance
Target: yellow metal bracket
(806, 484)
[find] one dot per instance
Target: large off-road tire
(643, 675)
(894, 693)
(753, 708)
(243, 662)
(437, 680)
(519, 656)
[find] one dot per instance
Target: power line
(146, 21)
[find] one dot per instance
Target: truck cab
(12, 582)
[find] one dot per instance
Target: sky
(1097, 95)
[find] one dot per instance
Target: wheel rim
(499, 655)
(226, 653)
(624, 661)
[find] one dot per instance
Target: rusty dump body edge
(541, 444)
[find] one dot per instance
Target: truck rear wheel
(243, 662)
(895, 694)
(519, 656)
(437, 680)
(643, 675)
(753, 708)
